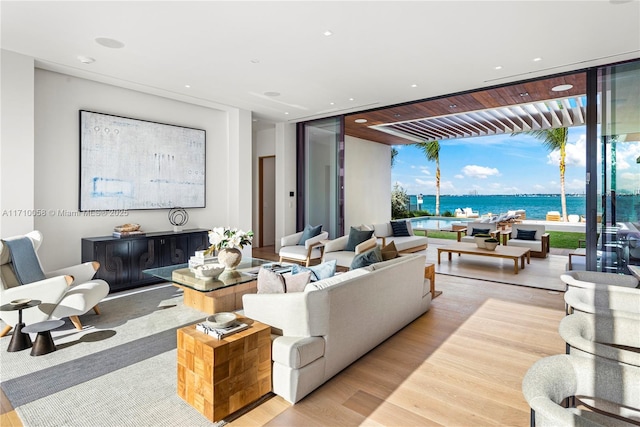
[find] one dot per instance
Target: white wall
(16, 145)
(285, 143)
(55, 184)
(264, 144)
(367, 193)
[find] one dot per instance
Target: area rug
(541, 273)
(120, 370)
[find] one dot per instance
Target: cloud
(458, 176)
(575, 154)
(481, 172)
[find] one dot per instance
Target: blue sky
(502, 164)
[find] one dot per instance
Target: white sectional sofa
(335, 321)
(405, 244)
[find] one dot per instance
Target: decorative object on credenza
(127, 230)
(178, 217)
(228, 242)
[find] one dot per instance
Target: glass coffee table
(213, 296)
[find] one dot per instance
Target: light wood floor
(460, 364)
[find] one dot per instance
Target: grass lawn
(557, 239)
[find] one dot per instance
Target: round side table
(19, 340)
(44, 342)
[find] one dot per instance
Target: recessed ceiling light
(453, 106)
(86, 59)
(255, 61)
(414, 85)
(327, 33)
(332, 103)
(187, 86)
(286, 113)
(110, 43)
(272, 93)
(360, 120)
(350, 99)
(523, 94)
(561, 88)
(537, 59)
(396, 115)
(498, 67)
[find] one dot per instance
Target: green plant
(399, 202)
(492, 240)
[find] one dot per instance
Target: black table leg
(19, 340)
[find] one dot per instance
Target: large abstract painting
(136, 164)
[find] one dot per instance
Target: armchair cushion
(400, 228)
(25, 261)
(356, 237)
(309, 232)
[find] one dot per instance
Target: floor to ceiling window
(618, 168)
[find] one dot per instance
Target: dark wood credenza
(122, 260)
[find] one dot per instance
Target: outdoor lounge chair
(532, 236)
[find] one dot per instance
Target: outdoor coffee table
(508, 252)
(217, 295)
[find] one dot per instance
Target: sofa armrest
(291, 313)
(291, 239)
(314, 241)
(81, 272)
(366, 245)
(545, 242)
(336, 244)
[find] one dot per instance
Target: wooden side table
(430, 273)
(219, 377)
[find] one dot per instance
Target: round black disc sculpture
(178, 217)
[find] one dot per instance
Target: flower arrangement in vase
(228, 242)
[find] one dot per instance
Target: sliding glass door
(618, 169)
(322, 181)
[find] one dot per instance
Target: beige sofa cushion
(296, 352)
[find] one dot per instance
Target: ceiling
(274, 59)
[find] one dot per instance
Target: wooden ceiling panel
(496, 98)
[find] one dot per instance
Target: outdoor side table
(19, 340)
(44, 342)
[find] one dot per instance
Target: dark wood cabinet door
(145, 253)
(115, 266)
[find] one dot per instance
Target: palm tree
(394, 154)
(431, 151)
(555, 139)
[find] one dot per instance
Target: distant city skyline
(504, 164)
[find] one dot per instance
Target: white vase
(480, 241)
(230, 257)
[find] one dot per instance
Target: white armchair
(68, 292)
(292, 250)
(336, 250)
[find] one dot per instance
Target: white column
(285, 180)
(17, 200)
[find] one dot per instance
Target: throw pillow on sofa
(309, 232)
(389, 252)
(480, 231)
(270, 282)
(366, 258)
(318, 272)
(356, 237)
(526, 234)
(400, 228)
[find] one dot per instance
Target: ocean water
(535, 206)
